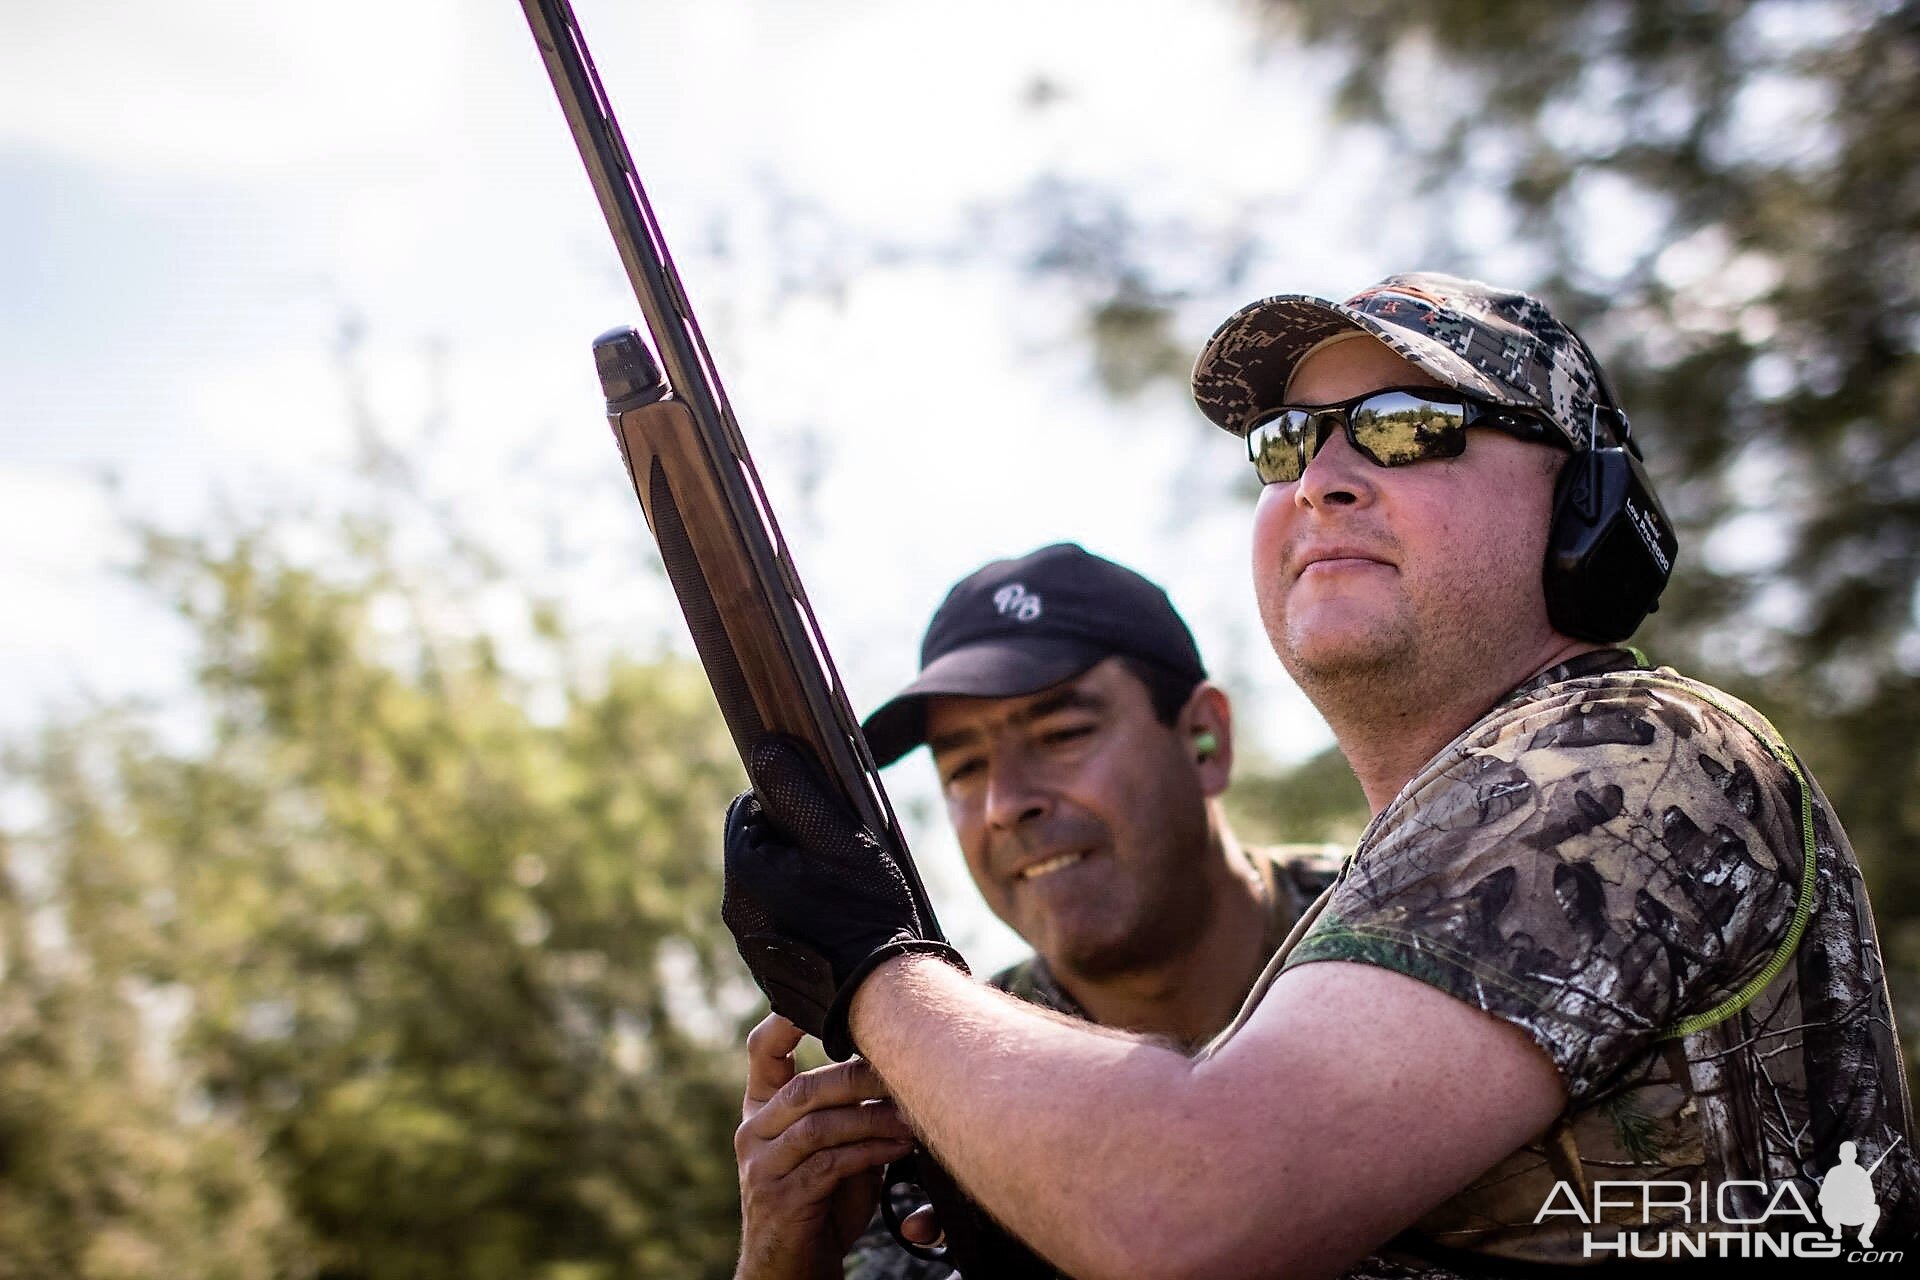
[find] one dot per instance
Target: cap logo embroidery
(1386, 301)
(1016, 602)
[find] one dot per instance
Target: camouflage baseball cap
(1499, 345)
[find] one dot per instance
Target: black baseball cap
(1016, 627)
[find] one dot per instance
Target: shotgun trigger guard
(903, 1176)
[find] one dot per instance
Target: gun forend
(731, 576)
(701, 542)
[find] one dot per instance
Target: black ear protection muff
(1610, 547)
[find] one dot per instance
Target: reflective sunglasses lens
(1274, 447)
(1397, 427)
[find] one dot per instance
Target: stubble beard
(1392, 669)
(1367, 667)
(1157, 922)
(1143, 944)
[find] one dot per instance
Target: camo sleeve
(1594, 864)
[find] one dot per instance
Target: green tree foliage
(1317, 799)
(448, 993)
(104, 1175)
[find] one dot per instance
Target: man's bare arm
(1354, 1100)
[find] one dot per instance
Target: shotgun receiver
(752, 626)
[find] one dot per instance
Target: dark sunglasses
(1392, 428)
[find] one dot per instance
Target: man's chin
(1069, 949)
(1342, 645)
(1096, 957)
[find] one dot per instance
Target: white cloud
(55, 526)
(207, 86)
(74, 629)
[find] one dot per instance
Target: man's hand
(814, 900)
(810, 1147)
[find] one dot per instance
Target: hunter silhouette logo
(1739, 1218)
(1016, 602)
(1846, 1194)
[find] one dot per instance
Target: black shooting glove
(815, 901)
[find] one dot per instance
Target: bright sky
(195, 197)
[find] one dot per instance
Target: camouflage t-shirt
(1614, 860)
(1292, 876)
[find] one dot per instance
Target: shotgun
(728, 564)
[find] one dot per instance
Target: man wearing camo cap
(1600, 981)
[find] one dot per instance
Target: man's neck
(1195, 993)
(1389, 733)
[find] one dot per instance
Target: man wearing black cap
(1081, 750)
(1600, 981)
